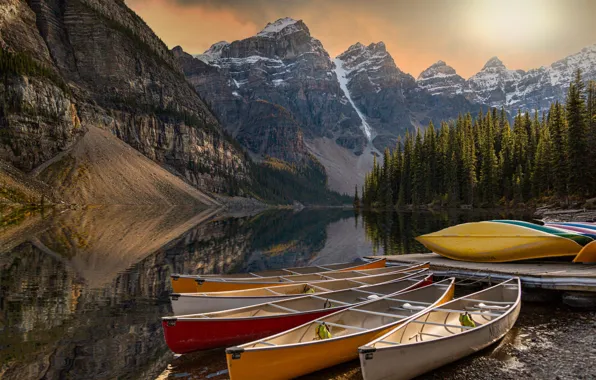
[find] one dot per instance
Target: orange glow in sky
(524, 34)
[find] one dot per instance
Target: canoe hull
(287, 362)
(181, 284)
(184, 336)
(497, 242)
(407, 362)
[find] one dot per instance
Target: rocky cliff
(75, 64)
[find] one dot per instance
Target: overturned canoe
(581, 239)
(197, 283)
(302, 350)
(187, 333)
(497, 242)
(191, 303)
(443, 335)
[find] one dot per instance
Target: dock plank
(547, 275)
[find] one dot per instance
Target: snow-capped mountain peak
(494, 63)
(440, 79)
(283, 26)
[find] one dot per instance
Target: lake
(82, 292)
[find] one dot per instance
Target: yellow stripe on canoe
(497, 242)
(191, 285)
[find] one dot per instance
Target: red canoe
(195, 332)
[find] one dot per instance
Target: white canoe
(197, 303)
(300, 350)
(437, 337)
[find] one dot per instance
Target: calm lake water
(82, 292)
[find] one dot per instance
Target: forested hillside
(484, 161)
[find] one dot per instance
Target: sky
(524, 34)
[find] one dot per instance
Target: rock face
(281, 77)
(108, 70)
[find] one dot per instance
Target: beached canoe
(187, 333)
(302, 350)
(577, 237)
(197, 283)
(194, 303)
(497, 242)
(438, 337)
(298, 270)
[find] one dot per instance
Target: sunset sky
(465, 33)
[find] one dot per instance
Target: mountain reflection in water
(82, 292)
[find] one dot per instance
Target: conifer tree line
(485, 161)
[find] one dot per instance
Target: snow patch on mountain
(213, 53)
(440, 79)
(342, 77)
(286, 25)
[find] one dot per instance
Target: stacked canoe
(512, 240)
(288, 323)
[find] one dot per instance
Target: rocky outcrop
(139, 93)
(492, 84)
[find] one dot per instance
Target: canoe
(194, 283)
(497, 242)
(580, 230)
(579, 238)
(297, 352)
(299, 270)
(194, 332)
(437, 337)
(194, 303)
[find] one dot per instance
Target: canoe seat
(330, 300)
(396, 316)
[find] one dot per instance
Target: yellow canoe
(297, 351)
(198, 284)
(497, 242)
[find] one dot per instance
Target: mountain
(389, 101)
(441, 79)
(277, 93)
(493, 84)
(280, 95)
(497, 86)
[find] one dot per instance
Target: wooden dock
(543, 275)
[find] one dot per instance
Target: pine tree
(577, 141)
(591, 121)
(558, 131)
(386, 196)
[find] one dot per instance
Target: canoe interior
(308, 303)
(317, 287)
(484, 307)
(358, 319)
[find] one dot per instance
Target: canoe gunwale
(418, 277)
(175, 276)
(368, 348)
(233, 350)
